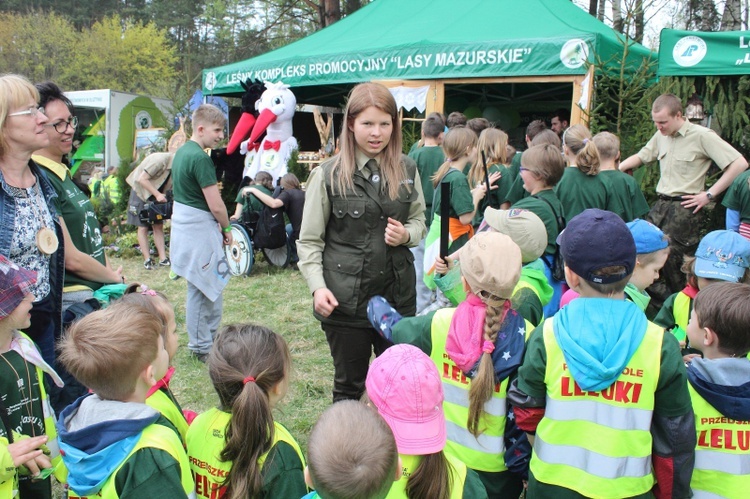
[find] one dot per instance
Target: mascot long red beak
(253, 91)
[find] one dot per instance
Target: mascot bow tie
(271, 144)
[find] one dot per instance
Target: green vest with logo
(598, 443)
(409, 465)
(485, 452)
(205, 441)
(154, 436)
(357, 264)
(722, 454)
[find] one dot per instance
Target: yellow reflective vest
(722, 454)
(205, 441)
(409, 465)
(160, 401)
(598, 443)
(681, 310)
(486, 452)
(153, 436)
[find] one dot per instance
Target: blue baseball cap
(722, 254)
(648, 237)
(596, 239)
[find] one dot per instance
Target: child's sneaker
(148, 264)
(172, 275)
(165, 262)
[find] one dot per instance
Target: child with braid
(237, 450)
(477, 348)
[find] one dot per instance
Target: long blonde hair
(578, 139)
(392, 169)
(493, 143)
(456, 145)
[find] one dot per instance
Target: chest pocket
(347, 215)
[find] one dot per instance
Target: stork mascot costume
(275, 109)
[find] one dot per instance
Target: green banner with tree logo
(701, 53)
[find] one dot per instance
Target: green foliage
(113, 53)
(301, 170)
(411, 132)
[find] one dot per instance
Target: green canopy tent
(701, 53)
(528, 44)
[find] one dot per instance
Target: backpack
(558, 265)
(270, 232)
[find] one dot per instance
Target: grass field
(276, 298)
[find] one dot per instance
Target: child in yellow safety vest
(602, 390)
(29, 452)
(722, 255)
(351, 453)
(652, 248)
(237, 450)
(477, 348)
(160, 396)
(720, 390)
(404, 386)
(112, 443)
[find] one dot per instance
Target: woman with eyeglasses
(86, 268)
(30, 233)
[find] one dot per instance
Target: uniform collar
(59, 169)
(684, 128)
(361, 159)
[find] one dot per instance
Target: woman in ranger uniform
(363, 209)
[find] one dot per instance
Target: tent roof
(430, 39)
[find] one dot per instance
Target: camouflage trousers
(684, 231)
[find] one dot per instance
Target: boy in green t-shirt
(624, 195)
(737, 202)
(28, 422)
(200, 226)
(429, 157)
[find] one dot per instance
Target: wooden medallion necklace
(46, 239)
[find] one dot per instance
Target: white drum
(240, 253)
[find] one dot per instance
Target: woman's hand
(395, 233)
(324, 302)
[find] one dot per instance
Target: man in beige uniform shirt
(685, 152)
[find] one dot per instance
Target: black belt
(669, 198)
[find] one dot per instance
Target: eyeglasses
(32, 111)
(62, 126)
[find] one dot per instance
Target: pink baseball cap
(405, 386)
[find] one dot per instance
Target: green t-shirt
(543, 211)
(578, 191)
(495, 197)
(428, 159)
(80, 218)
(21, 395)
(515, 166)
(192, 171)
(737, 196)
(515, 192)
(250, 202)
(624, 195)
(461, 199)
